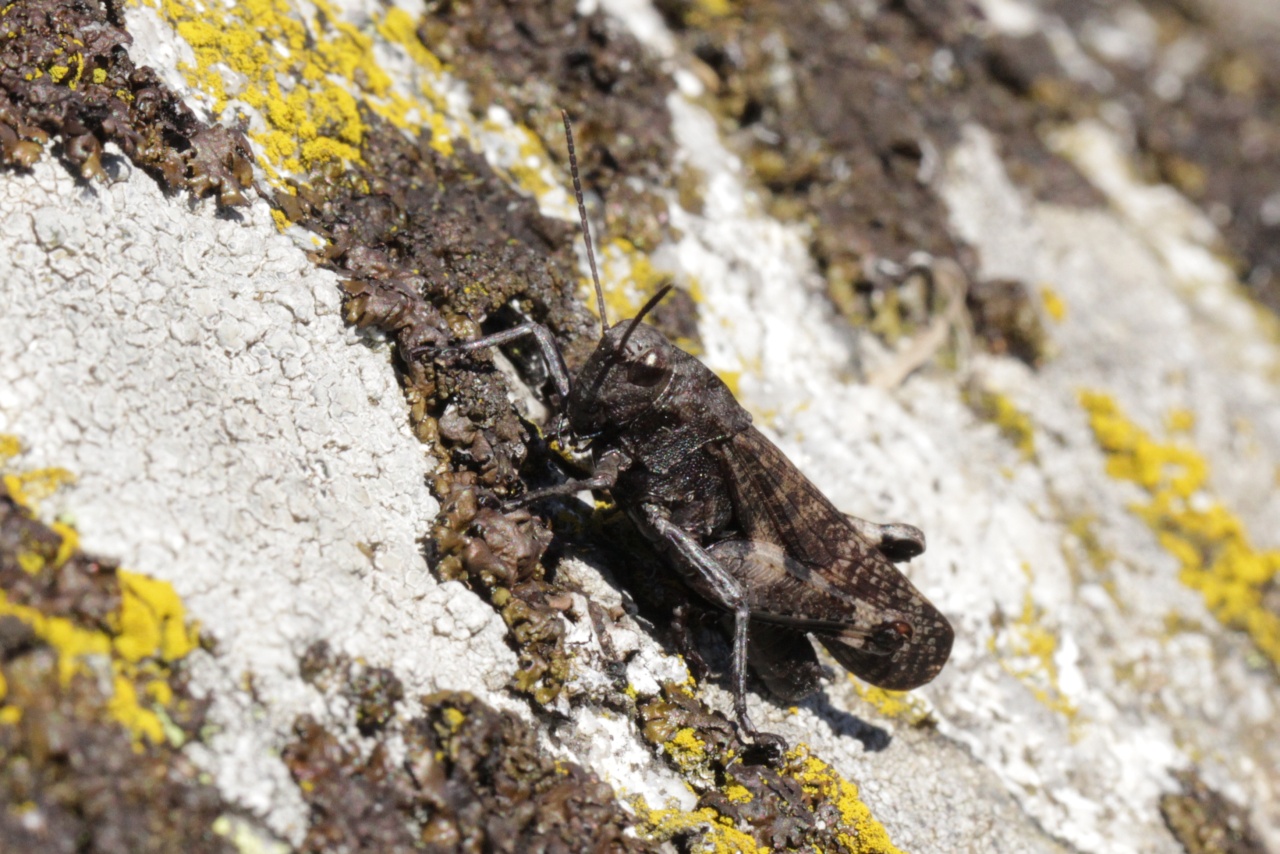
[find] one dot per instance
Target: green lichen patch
(470, 779)
(1210, 543)
(1205, 822)
(801, 805)
(94, 707)
(66, 76)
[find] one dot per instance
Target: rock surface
(1080, 406)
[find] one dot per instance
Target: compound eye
(647, 370)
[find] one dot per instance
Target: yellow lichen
(399, 27)
(454, 718)
(685, 748)
(532, 164)
(719, 837)
(148, 632)
(77, 646)
(306, 74)
(152, 621)
(1026, 649)
(856, 833)
(69, 545)
(281, 221)
(859, 831)
(72, 642)
(898, 705)
(628, 278)
(717, 8)
(1014, 424)
(1054, 305)
(1082, 528)
(28, 488)
(1180, 421)
(1210, 544)
(732, 379)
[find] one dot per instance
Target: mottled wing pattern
(841, 588)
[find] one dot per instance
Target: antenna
(632, 325)
(648, 306)
(586, 229)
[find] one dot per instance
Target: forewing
(843, 589)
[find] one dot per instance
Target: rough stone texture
(195, 375)
(194, 372)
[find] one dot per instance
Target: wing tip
(917, 663)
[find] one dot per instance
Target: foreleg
(605, 476)
(539, 333)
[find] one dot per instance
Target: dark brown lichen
(500, 554)
(357, 803)
(65, 75)
(495, 789)
(1205, 822)
(434, 250)
(1007, 320)
(471, 779)
(374, 693)
(377, 692)
(535, 59)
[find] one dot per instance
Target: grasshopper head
(629, 370)
(633, 364)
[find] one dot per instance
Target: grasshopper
(731, 515)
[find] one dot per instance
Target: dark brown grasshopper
(732, 516)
